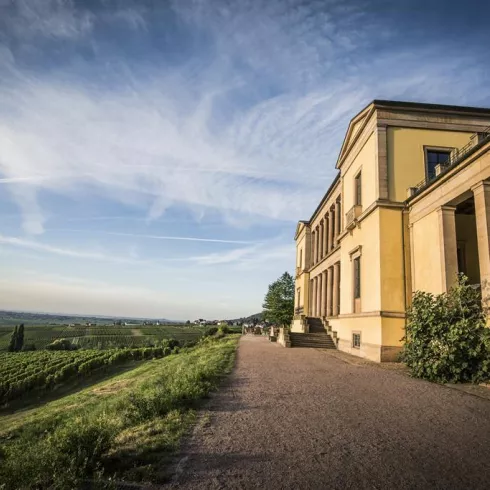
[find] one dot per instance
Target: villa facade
(408, 210)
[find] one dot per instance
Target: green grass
(125, 428)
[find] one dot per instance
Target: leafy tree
(13, 340)
(61, 344)
(446, 336)
(279, 301)
(20, 338)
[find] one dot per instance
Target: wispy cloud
(220, 114)
(67, 252)
(158, 237)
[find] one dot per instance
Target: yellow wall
(393, 331)
(301, 246)
(406, 158)
(426, 255)
(366, 162)
(392, 267)
(367, 235)
(370, 329)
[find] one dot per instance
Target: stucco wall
(426, 255)
(301, 250)
(367, 236)
(370, 330)
(392, 281)
(366, 162)
(297, 326)
(393, 330)
(406, 157)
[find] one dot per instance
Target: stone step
(312, 341)
(319, 340)
(315, 346)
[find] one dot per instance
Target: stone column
(330, 223)
(319, 295)
(322, 243)
(323, 307)
(310, 299)
(330, 292)
(325, 238)
(313, 298)
(329, 295)
(336, 289)
(317, 244)
(332, 231)
(481, 192)
(449, 247)
(339, 218)
(312, 247)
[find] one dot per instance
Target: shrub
(224, 329)
(61, 344)
(446, 336)
(210, 331)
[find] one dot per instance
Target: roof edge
(325, 197)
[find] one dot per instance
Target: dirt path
(305, 419)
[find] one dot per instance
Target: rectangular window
(300, 257)
(433, 158)
(299, 296)
(357, 277)
(356, 340)
(358, 189)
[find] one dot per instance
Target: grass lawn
(124, 428)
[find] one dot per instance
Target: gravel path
(305, 419)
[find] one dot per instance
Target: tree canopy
(279, 301)
(16, 339)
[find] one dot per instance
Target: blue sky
(155, 156)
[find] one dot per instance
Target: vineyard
(23, 372)
(102, 337)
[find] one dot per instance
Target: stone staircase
(317, 336)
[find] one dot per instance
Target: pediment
(354, 129)
(299, 227)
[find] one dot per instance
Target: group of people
(258, 329)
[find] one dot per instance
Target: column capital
(481, 186)
(447, 209)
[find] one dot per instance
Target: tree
(13, 340)
(279, 301)
(20, 338)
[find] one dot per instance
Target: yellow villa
(408, 209)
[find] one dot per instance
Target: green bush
(61, 344)
(446, 337)
(210, 331)
(224, 329)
